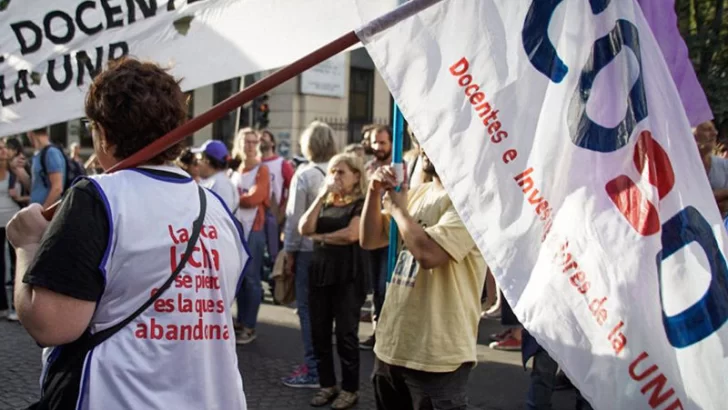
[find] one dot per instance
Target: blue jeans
(272, 235)
(378, 261)
(250, 294)
(303, 260)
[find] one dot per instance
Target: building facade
(346, 92)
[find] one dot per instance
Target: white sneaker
(12, 316)
(245, 337)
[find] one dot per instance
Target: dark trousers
(378, 276)
(543, 377)
(508, 318)
(340, 302)
(4, 302)
(399, 388)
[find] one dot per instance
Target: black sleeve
(358, 208)
(72, 249)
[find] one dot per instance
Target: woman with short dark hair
(131, 283)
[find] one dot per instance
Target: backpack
(73, 169)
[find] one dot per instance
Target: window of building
(361, 100)
(224, 128)
(58, 134)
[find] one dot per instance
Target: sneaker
(299, 370)
(301, 381)
(246, 336)
(497, 337)
(509, 344)
(368, 344)
(324, 396)
(13, 317)
(345, 400)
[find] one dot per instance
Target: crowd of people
(41, 180)
(89, 282)
(312, 214)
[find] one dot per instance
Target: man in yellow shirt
(427, 333)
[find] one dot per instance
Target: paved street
(497, 383)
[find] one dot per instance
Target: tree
(704, 25)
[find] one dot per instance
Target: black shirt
(69, 257)
(332, 264)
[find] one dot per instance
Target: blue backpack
(73, 168)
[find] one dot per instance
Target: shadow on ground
(497, 383)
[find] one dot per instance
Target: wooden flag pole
(220, 110)
(263, 86)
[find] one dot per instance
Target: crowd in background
(318, 237)
(320, 241)
(41, 179)
(310, 213)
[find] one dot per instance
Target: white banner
(560, 136)
(51, 50)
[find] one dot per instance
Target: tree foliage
(704, 25)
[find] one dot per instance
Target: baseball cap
(214, 149)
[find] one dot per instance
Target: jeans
(272, 235)
(398, 388)
(541, 389)
(250, 294)
(378, 275)
(303, 259)
(6, 303)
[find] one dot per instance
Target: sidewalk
(497, 383)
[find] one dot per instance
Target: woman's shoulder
(263, 171)
(358, 206)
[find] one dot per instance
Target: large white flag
(560, 136)
(52, 49)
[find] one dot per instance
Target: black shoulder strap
(320, 170)
(98, 338)
(43, 167)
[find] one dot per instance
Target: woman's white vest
(275, 168)
(180, 353)
(243, 182)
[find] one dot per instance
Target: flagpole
(398, 164)
(262, 86)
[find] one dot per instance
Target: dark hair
(40, 131)
(13, 144)
(270, 134)
(136, 103)
(187, 157)
(382, 128)
(235, 163)
(214, 162)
